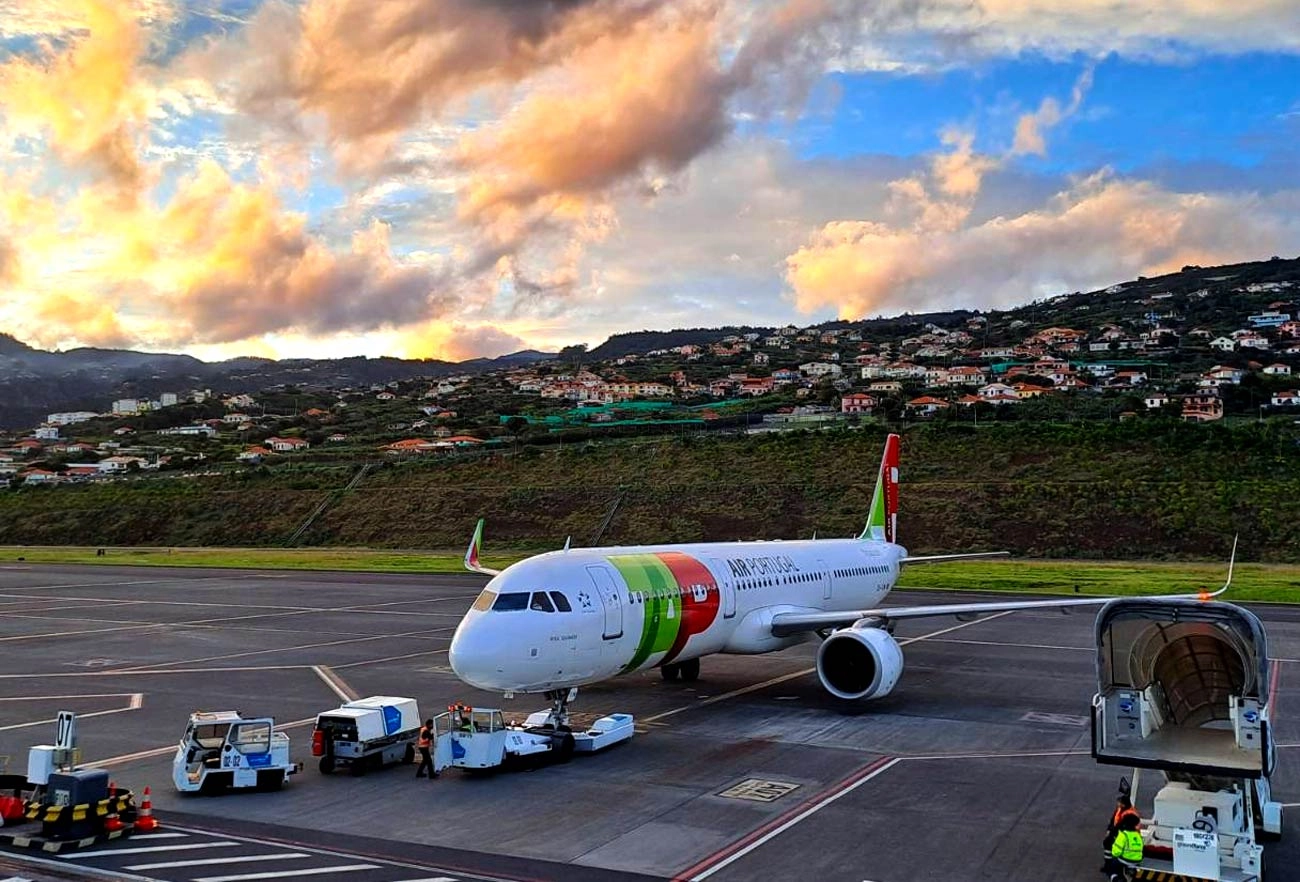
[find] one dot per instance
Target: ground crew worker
(1123, 808)
(423, 742)
(1126, 850)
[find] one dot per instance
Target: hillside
(34, 382)
(1151, 489)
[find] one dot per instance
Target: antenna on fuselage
(568, 540)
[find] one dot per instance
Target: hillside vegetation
(1142, 489)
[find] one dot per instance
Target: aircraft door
(826, 579)
(726, 587)
(609, 599)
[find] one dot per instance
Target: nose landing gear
(687, 670)
(558, 718)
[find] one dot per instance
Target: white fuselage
(631, 608)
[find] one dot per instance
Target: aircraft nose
(472, 656)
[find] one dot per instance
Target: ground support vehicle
(366, 734)
(1183, 689)
(74, 807)
(224, 749)
(479, 738)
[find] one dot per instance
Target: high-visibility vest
(424, 740)
(1120, 814)
(1127, 846)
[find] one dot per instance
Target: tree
(574, 355)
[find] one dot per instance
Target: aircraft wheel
(564, 752)
(690, 670)
(669, 672)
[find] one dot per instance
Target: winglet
(1232, 560)
(471, 553)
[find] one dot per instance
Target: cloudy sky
(454, 178)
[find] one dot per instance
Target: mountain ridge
(35, 382)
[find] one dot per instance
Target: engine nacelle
(857, 662)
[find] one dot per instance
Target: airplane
(565, 619)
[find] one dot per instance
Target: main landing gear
(687, 670)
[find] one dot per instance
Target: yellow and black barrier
(52, 814)
(1163, 876)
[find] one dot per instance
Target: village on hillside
(992, 367)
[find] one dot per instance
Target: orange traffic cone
(145, 822)
(112, 821)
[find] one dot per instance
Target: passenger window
(511, 602)
(542, 603)
(561, 602)
(483, 602)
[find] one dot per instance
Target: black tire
(215, 783)
(359, 767)
(270, 781)
(564, 752)
(669, 672)
(327, 765)
(409, 756)
(690, 670)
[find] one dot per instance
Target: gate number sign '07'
(66, 737)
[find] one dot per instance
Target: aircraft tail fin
(883, 521)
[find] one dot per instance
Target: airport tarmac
(976, 767)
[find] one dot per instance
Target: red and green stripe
(668, 582)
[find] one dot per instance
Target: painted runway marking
(136, 702)
(336, 683)
(1020, 645)
(136, 837)
(134, 673)
(368, 608)
(146, 849)
(738, 850)
(806, 671)
(376, 661)
(271, 841)
(235, 859)
(1274, 679)
(426, 633)
(284, 874)
(1054, 719)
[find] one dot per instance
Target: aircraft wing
(940, 558)
(785, 624)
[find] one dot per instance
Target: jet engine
(859, 662)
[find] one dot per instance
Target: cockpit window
(561, 602)
(541, 602)
(511, 602)
(483, 602)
